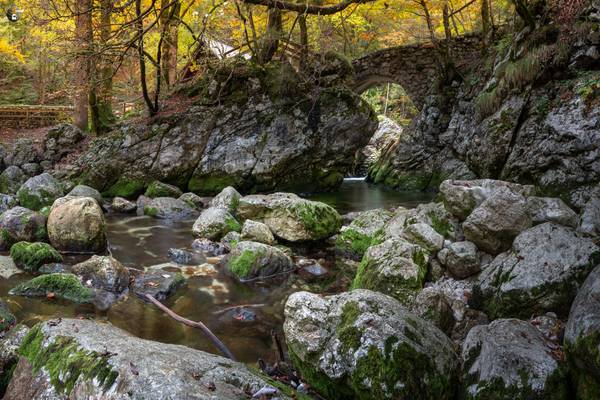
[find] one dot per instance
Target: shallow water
(140, 242)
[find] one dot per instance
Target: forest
(285, 199)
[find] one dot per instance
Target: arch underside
(365, 82)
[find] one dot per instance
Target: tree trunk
(303, 41)
(486, 25)
(445, 63)
(170, 24)
(81, 73)
(105, 76)
(270, 41)
(139, 22)
(524, 13)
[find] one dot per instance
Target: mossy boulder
(214, 223)
(39, 191)
(160, 189)
(251, 260)
(540, 273)
(61, 286)
(365, 230)
(290, 217)
(432, 214)
(394, 267)
(21, 224)
(103, 272)
(193, 200)
(582, 338)
(228, 199)
(76, 224)
(31, 256)
(366, 345)
(169, 208)
(86, 359)
(510, 359)
(11, 179)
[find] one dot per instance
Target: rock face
(386, 134)
(169, 208)
(39, 191)
(363, 344)
(582, 337)
(214, 223)
(114, 365)
(510, 359)
(366, 229)
(77, 224)
(104, 273)
(60, 141)
(541, 273)
(290, 217)
(21, 224)
(250, 260)
(265, 132)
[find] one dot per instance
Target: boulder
(365, 230)
(193, 200)
(113, 364)
(589, 223)
(9, 354)
(424, 236)
(7, 202)
(22, 152)
(257, 232)
(494, 224)
(462, 197)
(433, 305)
(124, 206)
(159, 189)
(31, 256)
(582, 338)
(159, 285)
(394, 267)
(60, 141)
(86, 191)
(228, 199)
(11, 179)
(541, 273)
(31, 169)
(8, 267)
(61, 286)
(21, 224)
(432, 214)
(39, 191)
(290, 217)
(462, 259)
(103, 272)
(184, 257)
(253, 260)
(510, 359)
(76, 224)
(363, 344)
(210, 248)
(214, 223)
(550, 209)
(169, 208)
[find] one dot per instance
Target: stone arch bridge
(411, 66)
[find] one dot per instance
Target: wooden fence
(33, 116)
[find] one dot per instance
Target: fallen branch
(306, 8)
(215, 340)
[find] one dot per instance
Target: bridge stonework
(412, 66)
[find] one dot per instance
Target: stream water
(211, 297)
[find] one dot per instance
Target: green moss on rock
(31, 256)
(160, 189)
(66, 362)
(126, 188)
(242, 265)
(63, 286)
(211, 185)
(7, 319)
(319, 219)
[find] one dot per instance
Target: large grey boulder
(22, 152)
(541, 273)
(364, 344)
(160, 189)
(394, 267)
(39, 191)
(510, 359)
(462, 197)
(121, 205)
(114, 365)
(551, 209)
(364, 230)
(21, 224)
(169, 208)
(432, 214)
(86, 191)
(228, 199)
(11, 179)
(76, 224)
(425, 236)
(582, 338)
(462, 259)
(214, 223)
(103, 272)
(290, 217)
(251, 260)
(494, 224)
(257, 232)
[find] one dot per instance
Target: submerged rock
(363, 344)
(185, 257)
(87, 359)
(76, 224)
(510, 359)
(290, 217)
(169, 208)
(159, 189)
(21, 224)
(251, 260)
(365, 230)
(541, 273)
(228, 199)
(39, 191)
(61, 286)
(394, 267)
(103, 272)
(31, 256)
(257, 232)
(582, 338)
(214, 223)
(159, 285)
